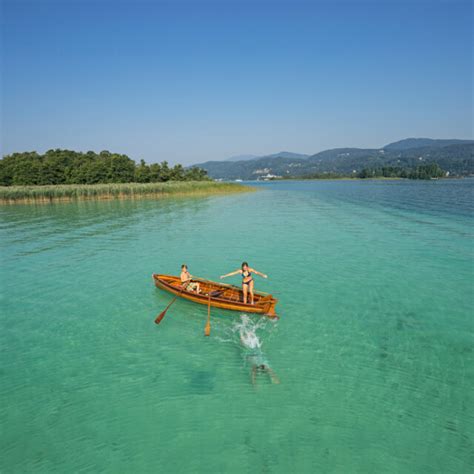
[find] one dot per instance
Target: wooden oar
(207, 329)
(162, 314)
(239, 288)
(215, 283)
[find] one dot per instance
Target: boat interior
(217, 291)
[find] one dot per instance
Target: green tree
(177, 173)
(142, 173)
(71, 167)
(196, 174)
(165, 172)
(155, 173)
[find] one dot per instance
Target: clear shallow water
(374, 347)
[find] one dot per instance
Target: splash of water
(247, 332)
(245, 328)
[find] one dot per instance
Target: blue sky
(193, 81)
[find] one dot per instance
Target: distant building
(264, 170)
(269, 177)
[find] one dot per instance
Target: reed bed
(73, 192)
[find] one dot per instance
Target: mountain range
(280, 154)
(452, 155)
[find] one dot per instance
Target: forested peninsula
(65, 175)
(72, 167)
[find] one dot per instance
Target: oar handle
(203, 280)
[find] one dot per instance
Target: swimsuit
(249, 274)
(190, 286)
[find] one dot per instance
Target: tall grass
(71, 192)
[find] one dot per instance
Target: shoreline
(343, 178)
(347, 178)
(119, 191)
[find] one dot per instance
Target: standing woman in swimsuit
(247, 279)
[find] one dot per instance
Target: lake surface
(374, 347)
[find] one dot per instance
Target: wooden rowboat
(221, 295)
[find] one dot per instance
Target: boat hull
(227, 297)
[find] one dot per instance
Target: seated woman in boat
(247, 279)
(186, 280)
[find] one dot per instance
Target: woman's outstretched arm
(231, 273)
(258, 273)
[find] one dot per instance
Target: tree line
(72, 167)
(428, 171)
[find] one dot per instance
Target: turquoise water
(374, 348)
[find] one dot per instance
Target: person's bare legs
(254, 373)
(245, 290)
(250, 285)
(273, 376)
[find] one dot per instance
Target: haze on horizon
(195, 81)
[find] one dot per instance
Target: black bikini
(249, 274)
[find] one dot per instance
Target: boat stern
(269, 310)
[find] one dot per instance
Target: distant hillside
(281, 154)
(457, 158)
(423, 142)
(286, 154)
(252, 169)
(241, 158)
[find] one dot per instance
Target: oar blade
(207, 329)
(160, 316)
